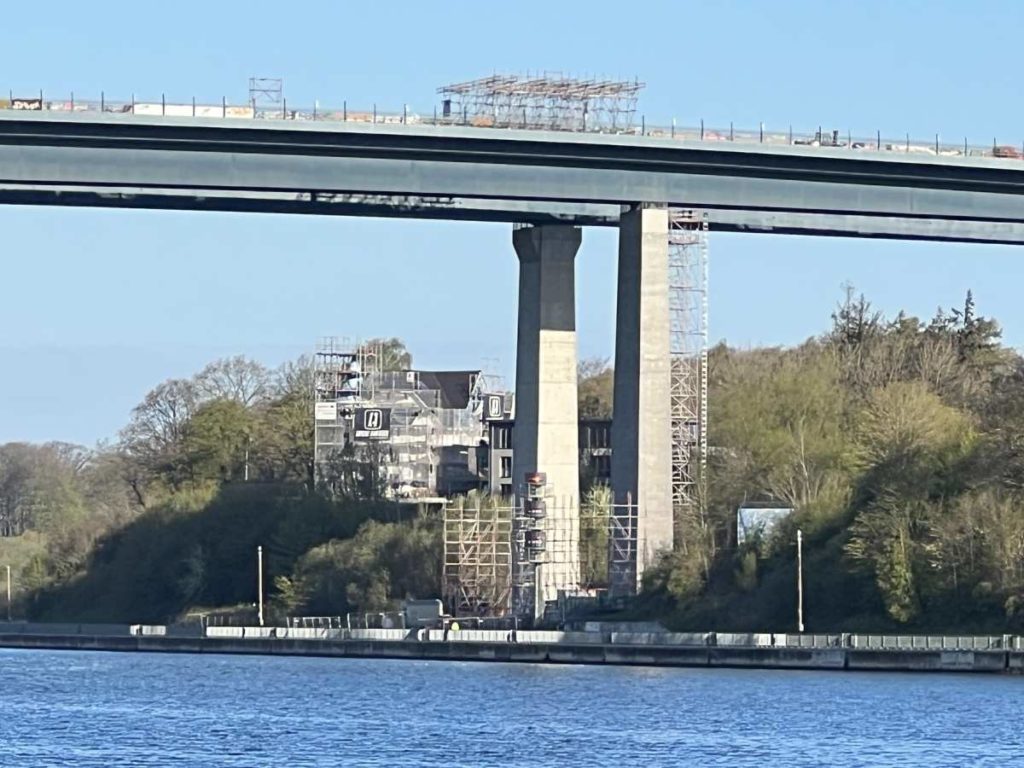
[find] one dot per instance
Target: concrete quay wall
(637, 654)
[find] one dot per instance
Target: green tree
(216, 439)
(383, 564)
(595, 385)
(391, 354)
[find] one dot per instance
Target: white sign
(494, 407)
(326, 411)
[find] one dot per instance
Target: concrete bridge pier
(641, 434)
(546, 435)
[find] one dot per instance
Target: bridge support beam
(546, 435)
(641, 434)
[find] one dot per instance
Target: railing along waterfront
(834, 140)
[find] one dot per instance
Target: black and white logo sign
(372, 419)
(494, 407)
(373, 424)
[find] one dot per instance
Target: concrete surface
(546, 435)
(641, 431)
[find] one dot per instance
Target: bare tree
(151, 442)
(235, 378)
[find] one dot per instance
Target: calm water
(109, 709)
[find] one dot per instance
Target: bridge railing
(824, 138)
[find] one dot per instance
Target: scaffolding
(688, 347)
(340, 368)
(477, 558)
(496, 564)
(419, 428)
(547, 101)
(266, 92)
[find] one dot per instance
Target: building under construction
(422, 431)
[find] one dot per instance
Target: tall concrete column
(641, 430)
(546, 436)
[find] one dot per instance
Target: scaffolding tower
(477, 558)
(548, 101)
(503, 560)
(266, 92)
(688, 347)
(344, 374)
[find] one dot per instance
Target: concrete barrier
(744, 639)
(379, 634)
(238, 632)
(540, 636)
(480, 636)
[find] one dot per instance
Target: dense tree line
(167, 518)
(898, 443)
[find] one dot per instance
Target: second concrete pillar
(641, 430)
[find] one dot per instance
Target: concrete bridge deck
(100, 159)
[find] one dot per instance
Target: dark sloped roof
(454, 386)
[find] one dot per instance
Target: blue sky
(96, 307)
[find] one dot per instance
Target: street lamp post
(259, 581)
(8, 592)
(800, 580)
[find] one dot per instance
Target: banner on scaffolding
(494, 407)
(373, 424)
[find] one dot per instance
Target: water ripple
(139, 710)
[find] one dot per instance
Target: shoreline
(593, 653)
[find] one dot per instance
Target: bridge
(486, 174)
(548, 185)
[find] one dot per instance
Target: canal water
(114, 709)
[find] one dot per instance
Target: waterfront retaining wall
(647, 649)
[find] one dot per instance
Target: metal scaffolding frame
(623, 547)
(341, 370)
(688, 347)
(266, 91)
(491, 571)
(348, 376)
(549, 101)
(476, 578)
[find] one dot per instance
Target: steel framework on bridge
(546, 101)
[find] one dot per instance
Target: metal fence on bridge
(833, 140)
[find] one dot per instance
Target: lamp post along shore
(800, 581)
(259, 581)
